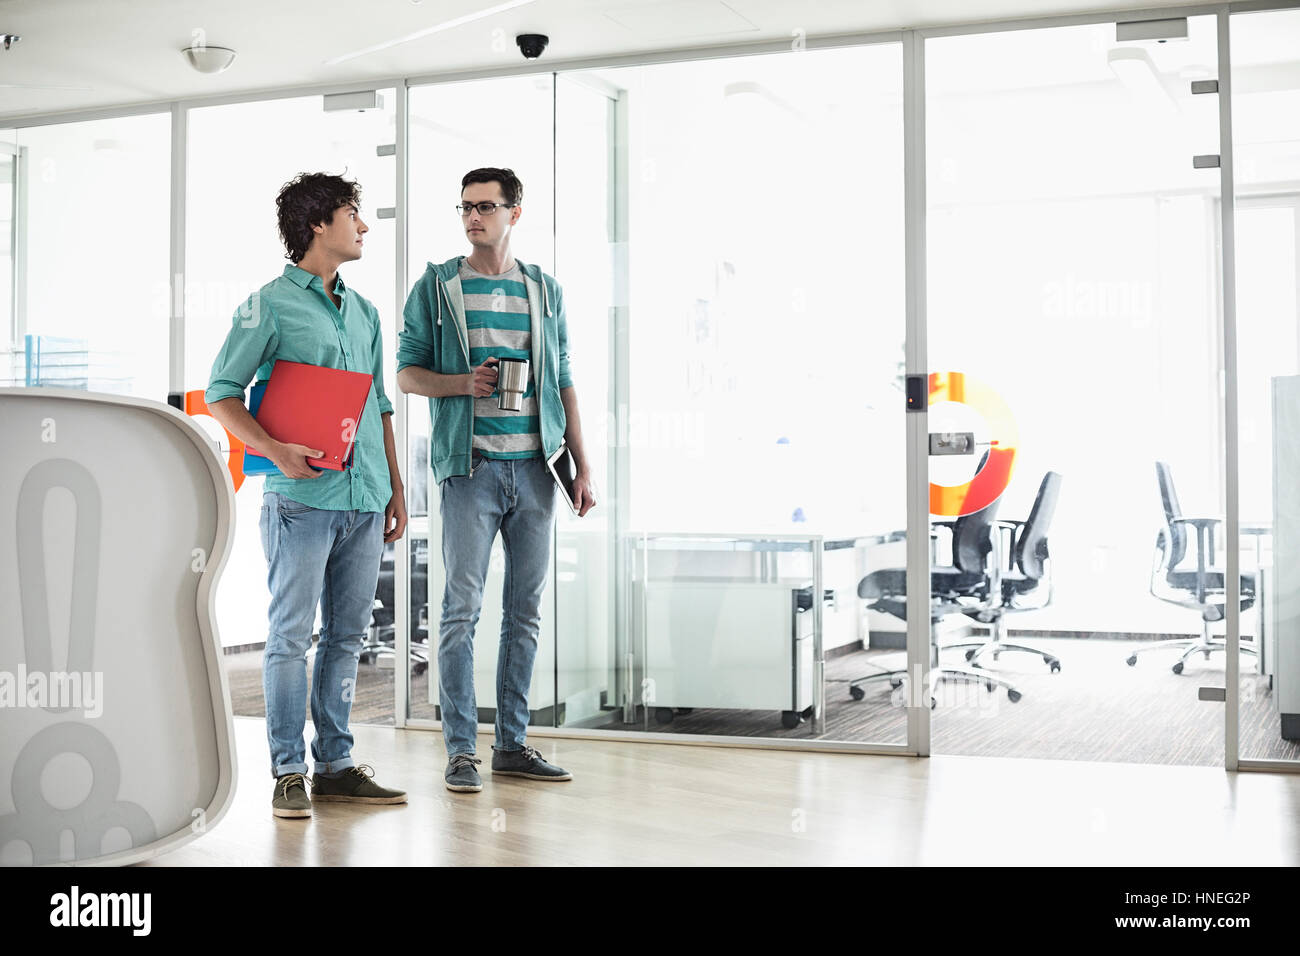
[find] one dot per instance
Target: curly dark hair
(512, 190)
(310, 199)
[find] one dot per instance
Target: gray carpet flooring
(1096, 708)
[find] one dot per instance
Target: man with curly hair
(323, 532)
(462, 319)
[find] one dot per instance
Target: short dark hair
(309, 199)
(512, 190)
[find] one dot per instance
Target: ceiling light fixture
(209, 59)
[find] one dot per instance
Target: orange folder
(314, 406)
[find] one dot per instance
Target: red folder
(314, 406)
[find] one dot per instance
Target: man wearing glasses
(461, 318)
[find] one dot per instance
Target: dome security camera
(531, 45)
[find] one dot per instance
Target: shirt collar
(303, 278)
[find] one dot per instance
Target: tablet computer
(561, 467)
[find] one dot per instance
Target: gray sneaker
(526, 763)
(461, 775)
(354, 785)
(289, 799)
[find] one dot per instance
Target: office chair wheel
(1133, 659)
(1013, 695)
(857, 693)
(366, 658)
(1055, 666)
(970, 653)
(1178, 668)
(419, 668)
(663, 715)
(897, 683)
(990, 687)
(790, 719)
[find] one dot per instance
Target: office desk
(722, 610)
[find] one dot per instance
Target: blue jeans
(517, 498)
(331, 558)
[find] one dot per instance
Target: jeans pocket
(288, 506)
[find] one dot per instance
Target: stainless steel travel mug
(512, 382)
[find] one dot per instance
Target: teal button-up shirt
(292, 318)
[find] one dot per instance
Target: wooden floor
(659, 804)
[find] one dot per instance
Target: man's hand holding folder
(294, 461)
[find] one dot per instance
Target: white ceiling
(121, 52)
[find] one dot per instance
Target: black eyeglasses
(484, 208)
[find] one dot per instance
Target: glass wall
(94, 205)
(589, 179)
(761, 433)
(723, 290)
(1266, 166)
(729, 235)
(11, 369)
(1074, 348)
(457, 127)
(232, 248)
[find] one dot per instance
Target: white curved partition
(116, 737)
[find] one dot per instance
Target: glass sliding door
(589, 181)
(456, 127)
(564, 155)
(1265, 57)
(1076, 420)
(759, 417)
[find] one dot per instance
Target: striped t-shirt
(496, 316)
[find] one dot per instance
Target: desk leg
(819, 664)
(636, 612)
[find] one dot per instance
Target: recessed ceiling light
(209, 59)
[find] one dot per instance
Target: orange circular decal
(995, 474)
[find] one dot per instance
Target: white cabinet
(735, 645)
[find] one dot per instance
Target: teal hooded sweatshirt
(434, 336)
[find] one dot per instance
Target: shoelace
(364, 769)
(292, 780)
(460, 759)
(528, 753)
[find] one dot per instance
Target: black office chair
(1201, 589)
(959, 588)
(1027, 568)
(383, 632)
(381, 638)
